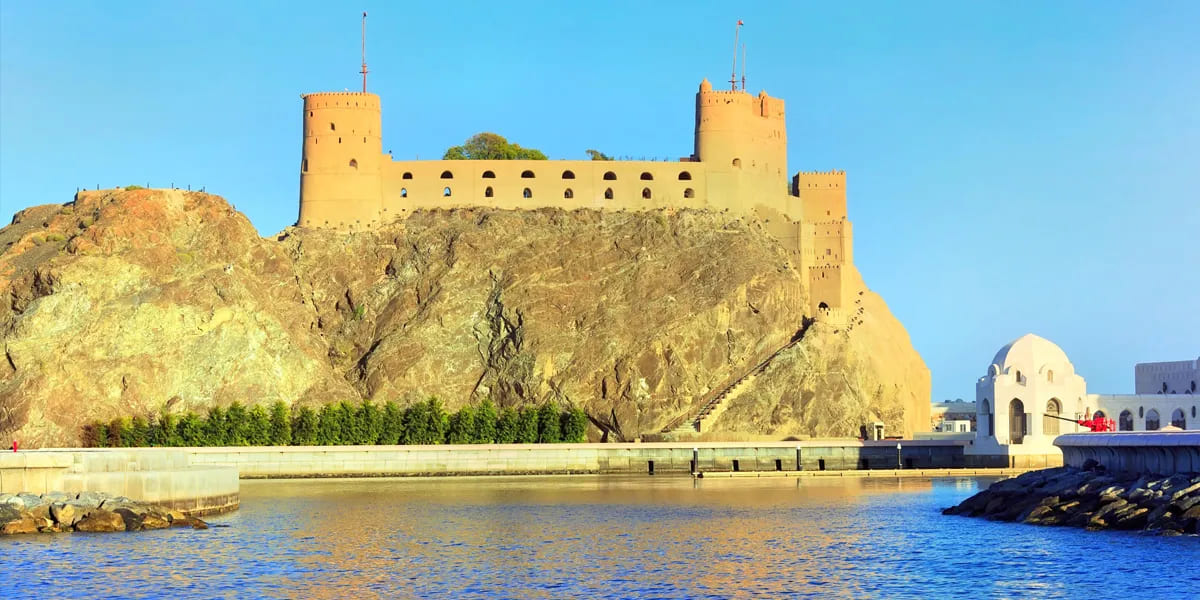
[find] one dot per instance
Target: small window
(685, 176)
(526, 193)
(304, 165)
(1050, 376)
(332, 127)
(610, 176)
(339, 140)
(489, 175)
(354, 164)
(310, 113)
(403, 192)
(568, 193)
(608, 194)
(689, 193)
(646, 193)
(526, 174)
(647, 177)
(406, 175)
(447, 175)
(446, 192)
(1164, 387)
(488, 192)
(568, 175)
(737, 162)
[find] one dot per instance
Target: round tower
(340, 184)
(743, 135)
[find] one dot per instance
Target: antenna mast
(743, 67)
(733, 84)
(364, 51)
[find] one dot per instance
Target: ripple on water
(602, 538)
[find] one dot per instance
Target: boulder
(91, 499)
(9, 513)
(30, 501)
(25, 524)
(57, 497)
(100, 520)
(69, 513)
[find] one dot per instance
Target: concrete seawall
(642, 458)
(1157, 452)
(162, 476)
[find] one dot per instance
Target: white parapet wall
(163, 476)
(1150, 452)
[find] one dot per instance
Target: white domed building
(1030, 381)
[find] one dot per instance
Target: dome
(1030, 352)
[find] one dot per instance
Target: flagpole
(733, 72)
(364, 51)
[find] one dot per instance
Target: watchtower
(742, 139)
(340, 184)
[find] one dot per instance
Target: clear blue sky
(1013, 167)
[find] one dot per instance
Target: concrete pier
(162, 476)
(1156, 452)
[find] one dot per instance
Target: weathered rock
(9, 512)
(100, 520)
(22, 525)
(68, 513)
(29, 501)
(91, 499)
(52, 497)
(156, 296)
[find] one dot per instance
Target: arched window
(567, 193)
(1050, 376)
(489, 175)
(526, 193)
(1099, 414)
(991, 419)
(608, 194)
(447, 175)
(1193, 385)
(1125, 421)
(568, 175)
(737, 162)
(1164, 390)
(446, 192)
(526, 174)
(1140, 411)
(1049, 423)
(1016, 422)
(1019, 378)
(610, 176)
(647, 176)
(822, 306)
(354, 164)
(406, 175)
(646, 193)
(304, 166)
(403, 192)
(487, 193)
(1178, 419)
(689, 193)
(685, 176)
(1152, 420)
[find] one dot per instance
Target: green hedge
(344, 423)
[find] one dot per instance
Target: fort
(738, 165)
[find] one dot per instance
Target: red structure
(1095, 424)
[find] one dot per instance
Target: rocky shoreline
(57, 512)
(1093, 498)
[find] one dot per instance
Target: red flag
(740, 22)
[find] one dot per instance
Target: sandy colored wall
(340, 161)
(512, 459)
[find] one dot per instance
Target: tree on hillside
(485, 423)
(597, 155)
(461, 428)
(549, 423)
(235, 424)
(215, 427)
(527, 425)
(258, 428)
(506, 426)
(393, 424)
(304, 427)
(490, 146)
(574, 425)
(329, 429)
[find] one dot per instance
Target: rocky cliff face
(131, 302)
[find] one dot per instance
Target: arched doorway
(1049, 423)
(1125, 422)
(1016, 422)
(1099, 415)
(1178, 419)
(1152, 423)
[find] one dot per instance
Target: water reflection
(601, 537)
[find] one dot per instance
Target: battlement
(819, 179)
(343, 100)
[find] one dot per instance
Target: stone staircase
(717, 403)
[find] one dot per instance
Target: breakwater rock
(1092, 498)
(56, 512)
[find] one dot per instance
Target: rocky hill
(133, 302)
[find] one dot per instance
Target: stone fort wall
(739, 166)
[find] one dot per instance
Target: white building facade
(1031, 381)
(1176, 377)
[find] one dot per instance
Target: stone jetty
(1093, 498)
(56, 512)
